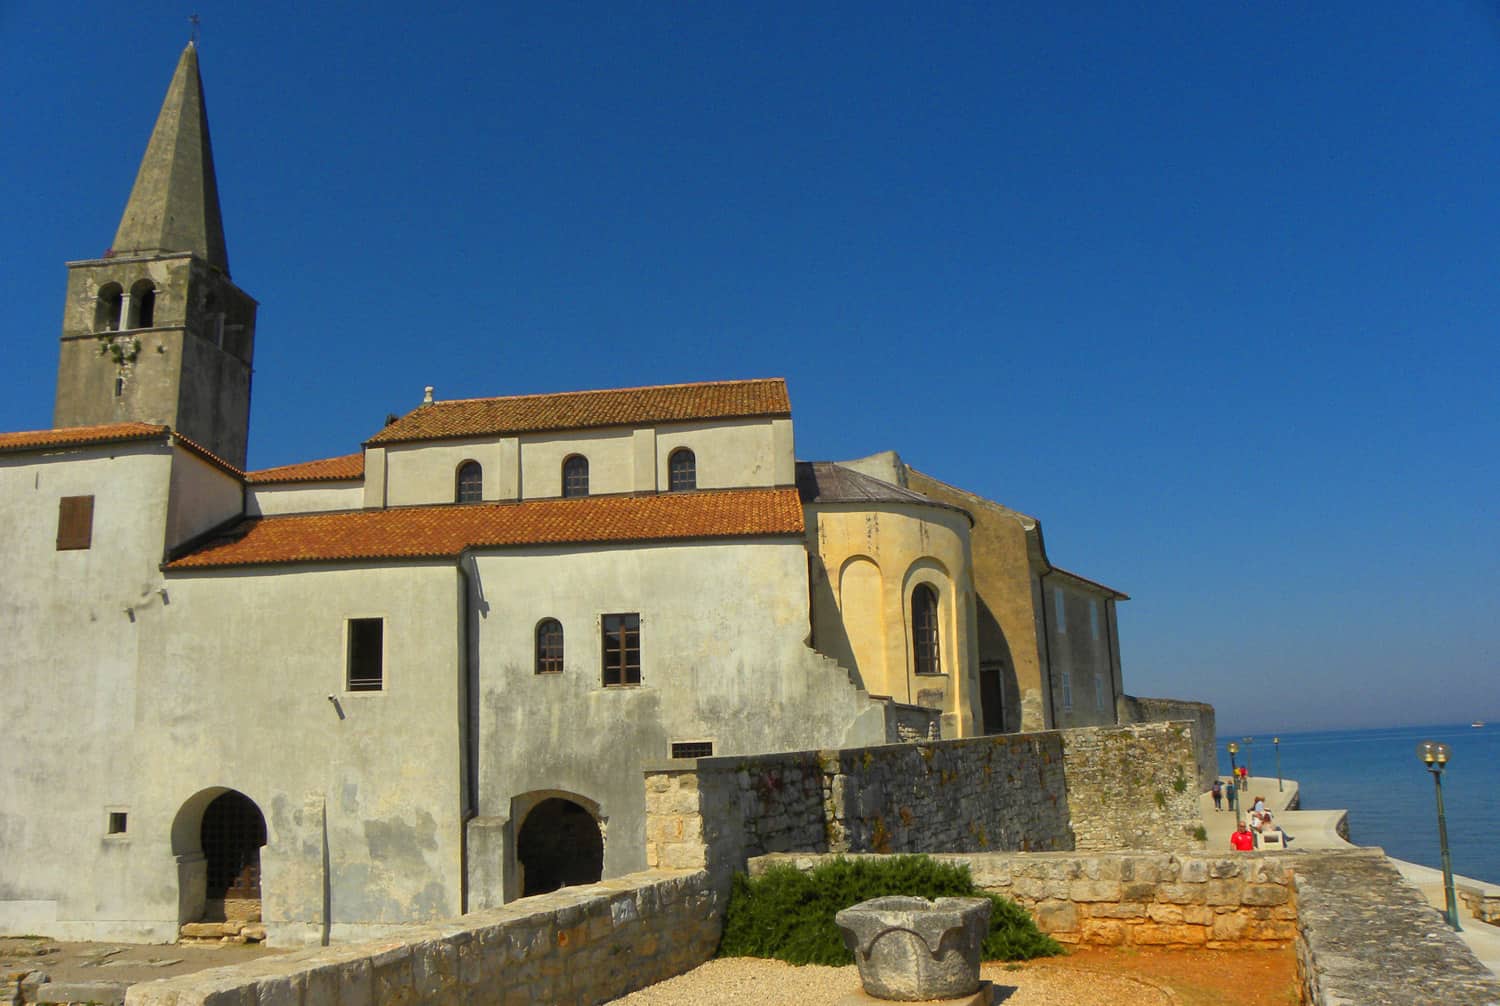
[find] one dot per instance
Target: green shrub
(788, 914)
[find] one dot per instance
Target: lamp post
(1435, 756)
(1276, 743)
(1234, 774)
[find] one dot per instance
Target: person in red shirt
(1243, 840)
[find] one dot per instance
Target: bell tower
(155, 331)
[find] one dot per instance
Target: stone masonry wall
(1111, 787)
(1166, 900)
(1138, 710)
(577, 945)
(1132, 787)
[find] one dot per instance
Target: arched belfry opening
(559, 844)
(217, 838)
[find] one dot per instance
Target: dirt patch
(117, 962)
(1124, 977)
(1193, 977)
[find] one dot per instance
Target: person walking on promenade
(1218, 792)
(1243, 839)
(1229, 791)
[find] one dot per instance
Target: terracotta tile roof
(344, 468)
(667, 403)
(444, 531)
(80, 436)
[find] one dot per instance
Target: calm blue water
(1375, 774)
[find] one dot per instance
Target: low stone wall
(1366, 935)
(1093, 788)
(1244, 901)
(1133, 709)
(578, 945)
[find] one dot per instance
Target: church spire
(174, 206)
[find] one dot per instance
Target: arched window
(549, 646)
(143, 304)
(924, 630)
(575, 476)
(107, 310)
(470, 487)
(682, 470)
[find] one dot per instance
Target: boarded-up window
(366, 654)
(75, 522)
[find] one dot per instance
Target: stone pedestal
(915, 950)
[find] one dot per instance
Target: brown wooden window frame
(468, 483)
(75, 523)
(549, 646)
(926, 631)
(575, 476)
(620, 649)
(365, 659)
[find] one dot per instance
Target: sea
(1377, 776)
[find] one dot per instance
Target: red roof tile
(445, 531)
(668, 403)
(80, 436)
(340, 469)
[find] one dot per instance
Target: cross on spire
(194, 20)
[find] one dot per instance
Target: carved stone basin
(911, 949)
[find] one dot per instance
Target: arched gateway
(559, 844)
(217, 837)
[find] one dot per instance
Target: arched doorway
(231, 834)
(559, 845)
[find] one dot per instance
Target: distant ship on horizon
(1477, 724)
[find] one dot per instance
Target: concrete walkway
(1325, 829)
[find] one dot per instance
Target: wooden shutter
(75, 522)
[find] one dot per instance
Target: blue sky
(1210, 289)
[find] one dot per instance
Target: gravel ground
(744, 981)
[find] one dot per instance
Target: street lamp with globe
(1435, 756)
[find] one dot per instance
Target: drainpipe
(467, 726)
(1041, 581)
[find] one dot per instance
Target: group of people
(1256, 824)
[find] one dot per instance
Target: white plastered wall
(303, 497)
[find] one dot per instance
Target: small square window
(75, 522)
(366, 654)
(692, 749)
(117, 822)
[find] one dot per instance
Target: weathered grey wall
(1092, 788)
(578, 945)
(712, 669)
(1134, 709)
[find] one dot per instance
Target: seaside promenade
(1325, 829)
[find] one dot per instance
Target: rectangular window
(692, 749)
(1060, 611)
(75, 522)
(1099, 692)
(622, 649)
(366, 654)
(1094, 616)
(1067, 689)
(117, 822)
